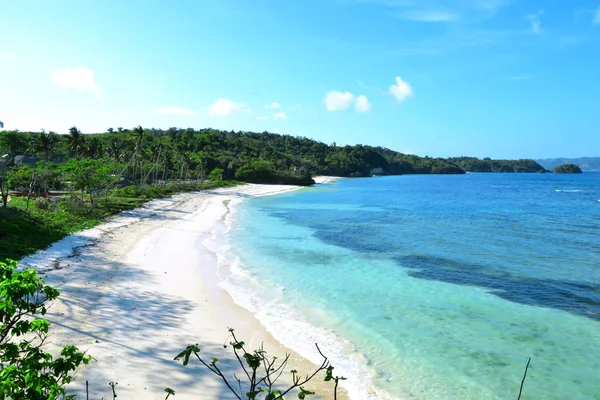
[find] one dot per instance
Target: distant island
(567, 169)
(585, 163)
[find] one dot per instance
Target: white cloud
(79, 78)
(224, 107)
(337, 101)
(428, 16)
(597, 16)
(401, 90)
(362, 105)
(274, 105)
(535, 22)
(174, 111)
(280, 115)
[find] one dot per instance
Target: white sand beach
(139, 288)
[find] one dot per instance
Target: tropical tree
(14, 142)
(90, 176)
(76, 141)
(93, 148)
(44, 144)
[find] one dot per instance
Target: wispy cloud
(362, 85)
(173, 111)
(274, 105)
(597, 16)
(223, 107)
(439, 10)
(535, 22)
(401, 90)
(420, 15)
(80, 79)
(280, 115)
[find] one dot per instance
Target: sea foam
(286, 324)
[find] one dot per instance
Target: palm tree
(138, 133)
(93, 148)
(75, 140)
(115, 151)
(44, 143)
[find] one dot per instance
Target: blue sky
(497, 78)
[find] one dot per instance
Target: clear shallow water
(436, 287)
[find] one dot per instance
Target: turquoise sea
(428, 286)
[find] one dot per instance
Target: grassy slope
(25, 231)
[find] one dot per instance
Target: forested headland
(183, 154)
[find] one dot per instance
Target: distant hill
(585, 163)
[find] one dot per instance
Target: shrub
(42, 203)
(27, 372)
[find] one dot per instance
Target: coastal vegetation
(155, 154)
(27, 370)
(567, 169)
(472, 164)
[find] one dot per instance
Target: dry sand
(139, 288)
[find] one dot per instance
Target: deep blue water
(440, 287)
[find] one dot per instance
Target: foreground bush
(261, 373)
(27, 371)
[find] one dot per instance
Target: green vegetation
(153, 155)
(261, 372)
(567, 169)
(472, 164)
(26, 229)
(27, 371)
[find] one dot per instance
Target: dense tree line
(150, 155)
(472, 164)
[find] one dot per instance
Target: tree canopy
(175, 153)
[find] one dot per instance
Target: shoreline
(136, 290)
